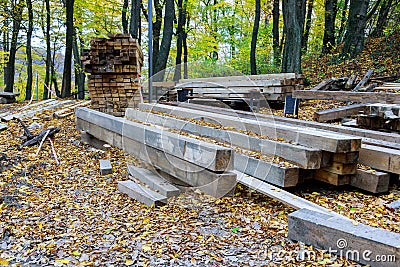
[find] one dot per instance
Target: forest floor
(69, 214)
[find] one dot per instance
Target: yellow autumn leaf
(129, 262)
(4, 262)
(146, 248)
(64, 261)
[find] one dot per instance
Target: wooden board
(371, 181)
(338, 113)
(341, 168)
(311, 138)
(368, 136)
(384, 159)
(154, 181)
(355, 241)
(141, 193)
(331, 178)
(360, 97)
(210, 156)
(305, 157)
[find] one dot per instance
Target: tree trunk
(53, 72)
(253, 63)
(355, 35)
(28, 92)
(124, 18)
(293, 17)
(329, 30)
(382, 18)
(16, 10)
(180, 33)
(275, 33)
(48, 52)
(66, 83)
(135, 18)
(343, 21)
(156, 32)
(79, 72)
(306, 34)
(162, 58)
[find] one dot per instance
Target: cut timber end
(328, 232)
(141, 193)
(371, 181)
(154, 181)
(331, 178)
(105, 167)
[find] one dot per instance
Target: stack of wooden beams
(7, 98)
(273, 87)
(170, 156)
(311, 153)
(380, 117)
(115, 64)
(378, 156)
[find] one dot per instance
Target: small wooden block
(105, 167)
(331, 178)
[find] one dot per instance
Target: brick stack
(114, 64)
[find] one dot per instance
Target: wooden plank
(331, 178)
(364, 80)
(154, 181)
(371, 181)
(305, 157)
(380, 158)
(214, 184)
(341, 168)
(105, 166)
(278, 76)
(279, 194)
(355, 241)
(367, 135)
(266, 171)
(141, 193)
(338, 113)
(211, 156)
(311, 138)
(360, 97)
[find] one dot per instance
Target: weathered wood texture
(154, 181)
(115, 66)
(210, 156)
(105, 166)
(110, 129)
(357, 242)
(331, 178)
(338, 113)
(380, 158)
(360, 97)
(367, 135)
(141, 193)
(311, 138)
(279, 194)
(371, 181)
(304, 157)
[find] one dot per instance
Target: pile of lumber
(168, 156)
(376, 160)
(378, 117)
(271, 87)
(115, 65)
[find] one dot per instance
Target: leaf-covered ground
(382, 55)
(71, 215)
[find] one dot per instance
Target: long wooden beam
(338, 113)
(210, 156)
(360, 97)
(368, 136)
(260, 77)
(307, 158)
(311, 138)
(212, 183)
